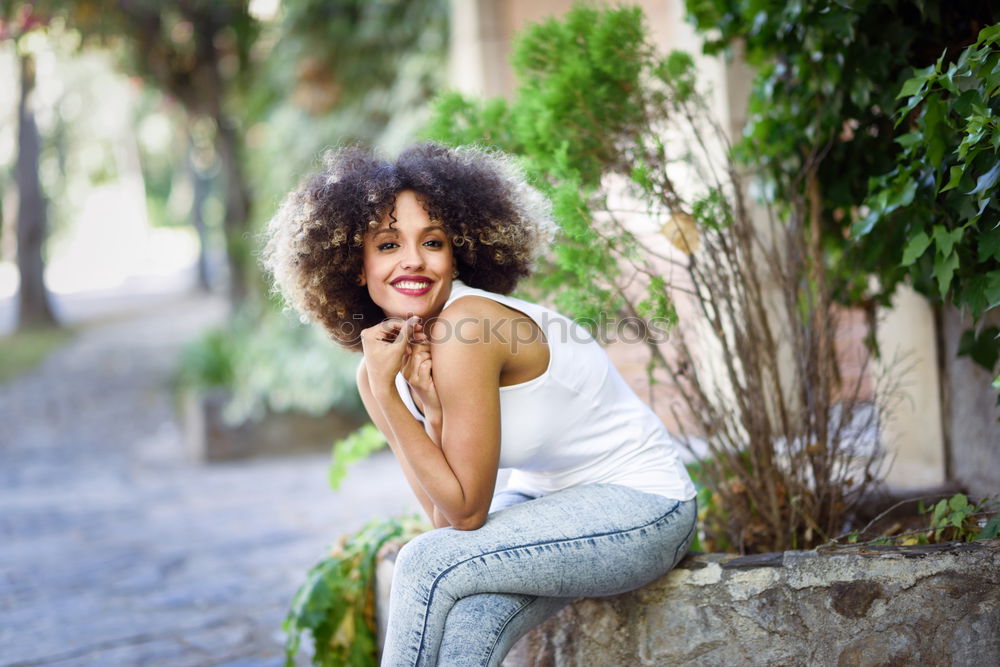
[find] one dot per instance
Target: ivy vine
(943, 191)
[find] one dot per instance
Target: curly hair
(495, 221)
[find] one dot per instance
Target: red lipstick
(412, 285)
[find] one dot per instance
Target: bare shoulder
(466, 316)
(466, 332)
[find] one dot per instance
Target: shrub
(272, 363)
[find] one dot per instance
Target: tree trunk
(228, 146)
(201, 188)
(34, 310)
(236, 222)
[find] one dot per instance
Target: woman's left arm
(459, 475)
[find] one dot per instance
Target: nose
(412, 259)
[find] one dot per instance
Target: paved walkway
(114, 550)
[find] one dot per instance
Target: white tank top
(578, 422)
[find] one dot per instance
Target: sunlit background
(168, 134)
(103, 237)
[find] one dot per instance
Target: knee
(419, 558)
(407, 561)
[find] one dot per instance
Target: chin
(403, 308)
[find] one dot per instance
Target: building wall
(913, 435)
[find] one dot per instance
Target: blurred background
(165, 428)
(142, 146)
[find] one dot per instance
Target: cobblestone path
(115, 550)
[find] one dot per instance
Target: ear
(362, 279)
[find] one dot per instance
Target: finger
(411, 361)
(418, 361)
(403, 336)
(390, 328)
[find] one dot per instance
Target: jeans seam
(437, 579)
(510, 618)
(686, 542)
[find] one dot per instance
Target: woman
(409, 263)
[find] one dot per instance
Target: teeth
(411, 284)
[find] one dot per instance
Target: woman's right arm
(379, 419)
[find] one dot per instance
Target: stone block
(908, 605)
(931, 605)
(208, 437)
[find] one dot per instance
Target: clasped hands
(395, 345)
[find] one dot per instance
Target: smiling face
(408, 263)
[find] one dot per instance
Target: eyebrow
(391, 230)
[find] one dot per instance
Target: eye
(388, 245)
(434, 243)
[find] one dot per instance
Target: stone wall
(937, 605)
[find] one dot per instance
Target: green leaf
(982, 348)
(980, 292)
(939, 511)
(904, 112)
(967, 102)
(909, 140)
(863, 226)
(936, 148)
(983, 204)
(331, 605)
(992, 290)
(946, 240)
(944, 270)
(934, 114)
(915, 248)
(861, 93)
(907, 194)
(992, 527)
(989, 34)
(915, 84)
(987, 181)
(939, 63)
(958, 502)
(351, 449)
(954, 176)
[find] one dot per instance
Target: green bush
(942, 194)
(336, 604)
(272, 364)
(353, 448)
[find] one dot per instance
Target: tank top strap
(458, 290)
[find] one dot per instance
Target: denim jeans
(465, 597)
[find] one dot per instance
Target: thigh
(597, 539)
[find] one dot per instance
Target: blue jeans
(465, 597)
